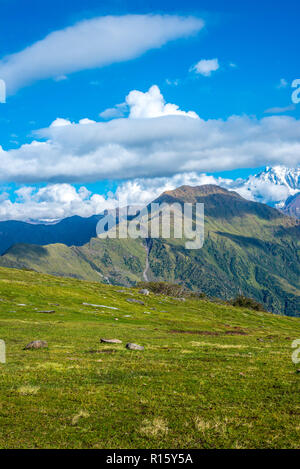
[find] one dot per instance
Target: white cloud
(56, 201)
(261, 191)
(283, 83)
(53, 202)
(144, 106)
(59, 122)
(60, 78)
(138, 146)
(152, 104)
(87, 121)
(206, 67)
(280, 110)
(144, 190)
(93, 43)
(174, 82)
(114, 112)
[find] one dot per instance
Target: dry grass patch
(80, 415)
(155, 428)
(28, 390)
(202, 425)
(53, 366)
(219, 346)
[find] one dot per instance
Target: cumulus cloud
(206, 67)
(146, 105)
(144, 190)
(57, 201)
(140, 146)
(152, 104)
(53, 202)
(93, 43)
(262, 191)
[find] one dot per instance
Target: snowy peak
(272, 186)
(281, 175)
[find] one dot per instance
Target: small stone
(132, 300)
(111, 341)
(99, 306)
(131, 346)
(36, 344)
(50, 311)
(144, 291)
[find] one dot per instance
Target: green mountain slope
(211, 376)
(119, 262)
(249, 248)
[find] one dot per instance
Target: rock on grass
(111, 341)
(36, 344)
(132, 300)
(131, 346)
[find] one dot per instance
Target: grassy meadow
(211, 375)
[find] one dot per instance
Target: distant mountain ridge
(73, 231)
(292, 206)
(249, 248)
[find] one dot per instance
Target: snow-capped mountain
(272, 186)
(280, 175)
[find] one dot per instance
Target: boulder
(110, 341)
(35, 344)
(49, 311)
(144, 291)
(132, 300)
(131, 346)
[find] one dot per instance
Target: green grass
(227, 383)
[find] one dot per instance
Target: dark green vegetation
(211, 375)
(250, 249)
(244, 302)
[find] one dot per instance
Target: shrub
(244, 302)
(170, 289)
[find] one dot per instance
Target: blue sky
(256, 44)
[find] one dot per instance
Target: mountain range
(273, 186)
(250, 248)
